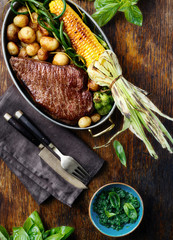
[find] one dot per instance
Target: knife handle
(26, 122)
(13, 122)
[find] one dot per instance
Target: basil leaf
(114, 199)
(3, 232)
(36, 219)
(120, 152)
(63, 232)
(34, 233)
(101, 3)
(20, 234)
(28, 224)
(124, 6)
(2, 237)
(134, 15)
(108, 214)
(57, 236)
(104, 14)
(130, 211)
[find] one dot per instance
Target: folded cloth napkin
(21, 156)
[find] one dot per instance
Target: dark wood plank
(145, 54)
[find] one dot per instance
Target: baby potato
(23, 52)
(60, 59)
(26, 35)
(22, 9)
(93, 86)
(39, 35)
(95, 117)
(49, 43)
(12, 32)
(35, 57)
(84, 122)
(23, 44)
(43, 54)
(32, 49)
(33, 23)
(43, 30)
(13, 49)
(21, 20)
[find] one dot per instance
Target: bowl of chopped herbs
(116, 209)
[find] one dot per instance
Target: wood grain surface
(145, 54)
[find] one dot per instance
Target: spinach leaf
(36, 219)
(130, 211)
(20, 234)
(3, 233)
(134, 15)
(120, 152)
(103, 15)
(108, 214)
(114, 199)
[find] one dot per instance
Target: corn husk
(133, 103)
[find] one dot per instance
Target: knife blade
(45, 153)
(55, 164)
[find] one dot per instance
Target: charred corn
(83, 40)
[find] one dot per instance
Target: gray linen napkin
(22, 156)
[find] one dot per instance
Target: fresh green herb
(114, 199)
(4, 234)
(108, 214)
(120, 152)
(33, 229)
(106, 9)
(130, 211)
(116, 208)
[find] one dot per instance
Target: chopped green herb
(116, 208)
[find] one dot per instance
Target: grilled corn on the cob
(83, 40)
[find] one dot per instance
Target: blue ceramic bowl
(128, 228)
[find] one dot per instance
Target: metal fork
(69, 164)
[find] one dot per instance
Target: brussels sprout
(103, 102)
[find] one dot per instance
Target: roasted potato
(23, 52)
(43, 30)
(32, 49)
(22, 9)
(49, 43)
(33, 22)
(35, 57)
(95, 117)
(84, 122)
(39, 35)
(60, 59)
(12, 32)
(23, 44)
(26, 35)
(93, 86)
(21, 21)
(12, 48)
(43, 54)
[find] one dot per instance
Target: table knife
(27, 123)
(45, 153)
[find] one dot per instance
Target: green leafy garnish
(116, 207)
(106, 9)
(130, 211)
(3, 233)
(120, 152)
(114, 199)
(109, 214)
(33, 229)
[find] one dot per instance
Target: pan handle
(104, 131)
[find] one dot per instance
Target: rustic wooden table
(145, 54)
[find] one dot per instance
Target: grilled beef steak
(61, 91)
